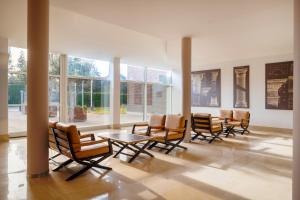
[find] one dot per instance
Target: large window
(158, 91)
(132, 93)
(88, 92)
(17, 89)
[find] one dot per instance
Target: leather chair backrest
(201, 121)
(239, 115)
(175, 122)
(226, 114)
(67, 138)
(157, 121)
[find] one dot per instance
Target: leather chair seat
(92, 150)
(171, 136)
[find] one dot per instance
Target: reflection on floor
(255, 166)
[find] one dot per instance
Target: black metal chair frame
(210, 138)
(173, 143)
(89, 162)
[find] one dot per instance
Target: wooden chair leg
(152, 145)
(63, 164)
(89, 165)
(56, 155)
(174, 146)
(195, 136)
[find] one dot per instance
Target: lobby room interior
(150, 100)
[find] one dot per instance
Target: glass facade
(143, 91)
(17, 89)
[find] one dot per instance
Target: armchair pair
(85, 150)
(239, 118)
(168, 130)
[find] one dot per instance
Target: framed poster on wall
(241, 87)
(206, 88)
(279, 86)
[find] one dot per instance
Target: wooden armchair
(89, 153)
(156, 124)
(51, 140)
(175, 129)
(241, 119)
(203, 126)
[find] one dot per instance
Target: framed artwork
(279, 86)
(241, 87)
(206, 88)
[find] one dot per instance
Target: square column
(3, 89)
(115, 93)
(186, 60)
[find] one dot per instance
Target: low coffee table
(128, 141)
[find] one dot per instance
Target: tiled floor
(256, 166)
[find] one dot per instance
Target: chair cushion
(157, 120)
(226, 114)
(239, 115)
(215, 129)
(174, 122)
(92, 150)
(171, 136)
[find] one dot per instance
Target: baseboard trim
(4, 138)
(271, 129)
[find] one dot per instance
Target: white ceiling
(222, 30)
(170, 19)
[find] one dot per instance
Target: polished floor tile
(254, 166)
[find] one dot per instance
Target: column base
(4, 138)
(43, 174)
(116, 126)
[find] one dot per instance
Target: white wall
(259, 115)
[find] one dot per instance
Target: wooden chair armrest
(91, 135)
(141, 124)
(88, 143)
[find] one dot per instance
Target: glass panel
(132, 102)
(17, 104)
(54, 98)
(158, 76)
(88, 67)
(17, 60)
(54, 68)
(17, 94)
(157, 98)
(131, 73)
(88, 92)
